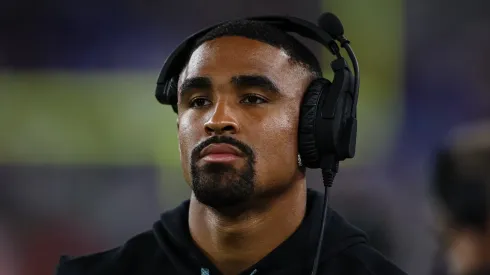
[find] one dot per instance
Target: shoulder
(142, 246)
(362, 259)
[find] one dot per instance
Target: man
(462, 190)
(250, 211)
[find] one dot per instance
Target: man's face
(238, 105)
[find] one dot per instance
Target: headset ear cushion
(307, 147)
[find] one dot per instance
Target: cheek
(278, 139)
(188, 138)
(189, 134)
(183, 134)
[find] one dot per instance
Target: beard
(219, 185)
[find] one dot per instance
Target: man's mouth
(221, 152)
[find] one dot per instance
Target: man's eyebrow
(254, 81)
(199, 82)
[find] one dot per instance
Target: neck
(234, 244)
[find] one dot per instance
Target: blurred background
(88, 157)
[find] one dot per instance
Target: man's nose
(222, 121)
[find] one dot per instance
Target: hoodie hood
(294, 256)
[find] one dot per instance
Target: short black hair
(461, 178)
(268, 34)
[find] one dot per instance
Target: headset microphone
(332, 25)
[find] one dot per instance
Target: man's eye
(199, 102)
(253, 99)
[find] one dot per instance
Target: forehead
(233, 55)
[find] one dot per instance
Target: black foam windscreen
(331, 24)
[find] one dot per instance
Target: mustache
(247, 150)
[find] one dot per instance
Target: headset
(328, 113)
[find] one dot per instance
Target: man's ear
(177, 120)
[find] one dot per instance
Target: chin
(223, 191)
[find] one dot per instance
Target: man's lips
(220, 152)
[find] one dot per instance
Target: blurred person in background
(461, 187)
(250, 211)
(9, 263)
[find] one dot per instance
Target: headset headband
(176, 61)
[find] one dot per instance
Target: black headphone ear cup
(307, 148)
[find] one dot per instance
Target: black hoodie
(169, 249)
